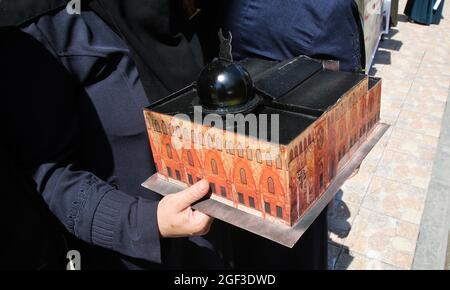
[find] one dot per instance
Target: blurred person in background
(424, 11)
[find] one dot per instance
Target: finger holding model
(176, 218)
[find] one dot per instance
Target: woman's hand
(175, 216)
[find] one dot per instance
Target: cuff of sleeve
(127, 225)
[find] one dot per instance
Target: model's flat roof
(299, 91)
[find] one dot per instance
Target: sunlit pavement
(384, 215)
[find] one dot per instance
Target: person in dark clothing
(424, 11)
(73, 102)
(320, 29)
(316, 28)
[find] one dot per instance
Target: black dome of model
(224, 84)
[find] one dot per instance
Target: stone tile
(347, 195)
(407, 63)
(388, 118)
(407, 66)
(419, 123)
(383, 238)
(372, 159)
(390, 110)
(370, 162)
(405, 168)
(418, 145)
(355, 188)
(399, 86)
(421, 92)
(436, 56)
(428, 81)
(425, 106)
(378, 150)
(410, 53)
(393, 96)
(398, 200)
(358, 183)
(428, 93)
(355, 261)
(433, 70)
(434, 82)
(392, 72)
(392, 104)
(340, 217)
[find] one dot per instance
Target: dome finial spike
(225, 46)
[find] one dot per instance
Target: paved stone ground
(376, 217)
(432, 244)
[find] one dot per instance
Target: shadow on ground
(338, 227)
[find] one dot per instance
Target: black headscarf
(159, 34)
